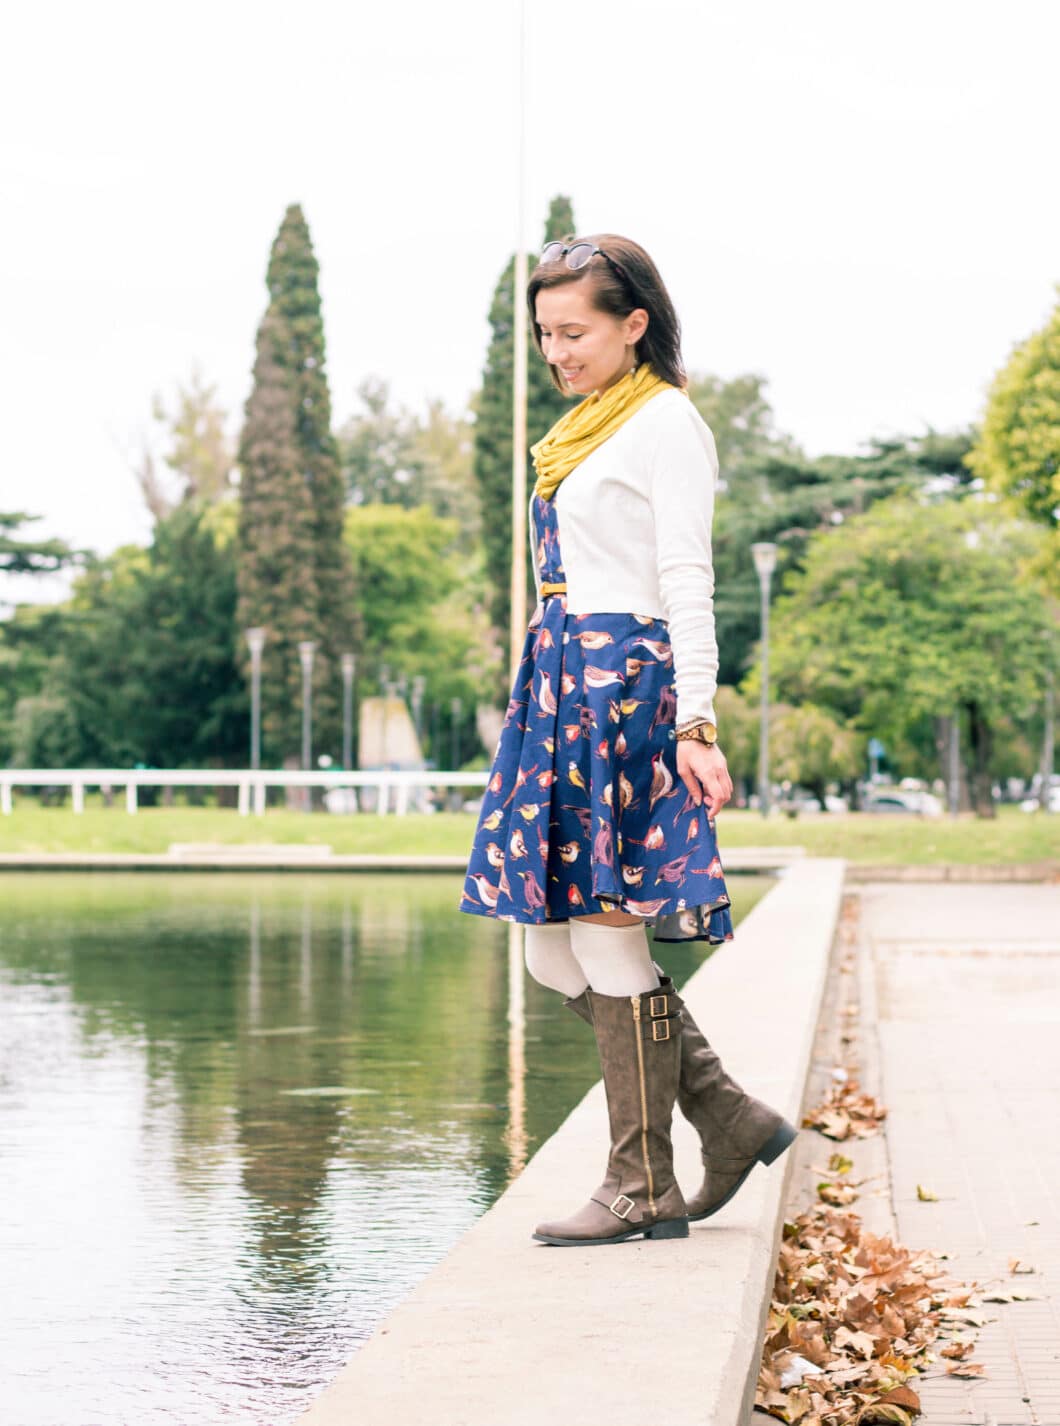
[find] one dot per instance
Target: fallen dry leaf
(925, 1195)
(966, 1369)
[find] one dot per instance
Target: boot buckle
(622, 1212)
(658, 1000)
(664, 1026)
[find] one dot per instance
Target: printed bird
(496, 782)
(516, 845)
(486, 890)
(614, 711)
(602, 844)
(503, 884)
(714, 869)
(535, 897)
(595, 639)
(665, 708)
(568, 683)
(546, 778)
(572, 732)
(494, 854)
(521, 777)
(574, 897)
(629, 706)
(601, 677)
(647, 908)
(693, 830)
(494, 820)
(620, 745)
(546, 699)
(607, 796)
(625, 791)
(673, 871)
(550, 746)
(569, 851)
(660, 649)
(584, 816)
(645, 618)
(529, 810)
(662, 781)
(653, 841)
(575, 776)
(634, 666)
(603, 750)
(542, 847)
(544, 639)
(633, 875)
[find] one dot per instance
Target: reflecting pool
(240, 1116)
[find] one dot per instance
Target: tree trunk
(980, 742)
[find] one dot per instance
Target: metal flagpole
(516, 1132)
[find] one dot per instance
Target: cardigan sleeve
(683, 475)
(533, 549)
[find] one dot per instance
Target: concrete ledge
(234, 857)
(506, 1330)
(957, 871)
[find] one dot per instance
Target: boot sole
(669, 1228)
(782, 1137)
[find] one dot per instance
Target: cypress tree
(492, 456)
(294, 297)
(277, 521)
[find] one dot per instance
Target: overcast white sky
(858, 201)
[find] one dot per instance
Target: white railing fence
(399, 783)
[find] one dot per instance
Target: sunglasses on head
(578, 255)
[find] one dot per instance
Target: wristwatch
(704, 732)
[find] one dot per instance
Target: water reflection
(240, 1117)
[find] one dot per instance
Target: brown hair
(638, 284)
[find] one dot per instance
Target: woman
(598, 818)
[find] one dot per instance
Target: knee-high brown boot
(736, 1130)
(639, 1043)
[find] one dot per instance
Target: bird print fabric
(584, 811)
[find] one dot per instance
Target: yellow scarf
(590, 423)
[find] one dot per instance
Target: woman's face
(592, 349)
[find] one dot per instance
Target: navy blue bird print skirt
(584, 811)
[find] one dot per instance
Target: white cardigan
(634, 523)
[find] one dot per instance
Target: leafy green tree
(19, 556)
(810, 748)
(492, 456)
(1018, 450)
(397, 458)
(424, 602)
(198, 456)
(276, 577)
(914, 610)
(144, 668)
(774, 493)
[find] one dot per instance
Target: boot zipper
(635, 999)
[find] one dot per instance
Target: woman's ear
(637, 324)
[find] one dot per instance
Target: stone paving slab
(967, 983)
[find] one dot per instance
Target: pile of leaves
(851, 1324)
(846, 1113)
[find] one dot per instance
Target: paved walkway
(967, 991)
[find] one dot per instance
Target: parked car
(918, 804)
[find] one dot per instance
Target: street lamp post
(765, 558)
(256, 640)
(456, 708)
(306, 649)
(349, 663)
(419, 685)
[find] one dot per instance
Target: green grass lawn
(1013, 837)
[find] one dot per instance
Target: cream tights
(569, 955)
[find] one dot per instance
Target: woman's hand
(705, 773)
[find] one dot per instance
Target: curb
(235, 858)
(506, 1330)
